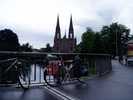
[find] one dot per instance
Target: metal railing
(96, 64)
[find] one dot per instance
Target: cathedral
(67, 43)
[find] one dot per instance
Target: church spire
(71, 31)
(57, 31)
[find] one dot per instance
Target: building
(130, 48)
(67, 43)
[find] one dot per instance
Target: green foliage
(98, 44)
(47, 49)
(26, 47)
(91, 42)
(87, 41)
(8, 40)
(111, 39)
(114, 38)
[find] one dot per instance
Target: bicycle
(16, 67)
(72, 73)
(53, 73)
(58, 74)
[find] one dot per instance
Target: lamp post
(116, 44)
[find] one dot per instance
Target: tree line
(111, 39)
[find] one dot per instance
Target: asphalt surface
(34, 93)
(117, 85)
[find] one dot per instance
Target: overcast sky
(34, 21)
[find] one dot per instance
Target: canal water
(37, 74)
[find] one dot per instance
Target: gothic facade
(68, 42)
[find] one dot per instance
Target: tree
(26, 47)
(91, 42)
(8, 40)
(47, 49)
(87, 41)
(114, 38)
(98, 44)
(111, 39)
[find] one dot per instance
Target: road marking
(60, 94)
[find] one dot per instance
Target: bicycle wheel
(50, 79)
(53, 79)
(24, 81)
(23, 72)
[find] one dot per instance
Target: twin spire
(58, 32)
(71, 31)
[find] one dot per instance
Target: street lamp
(116, 44)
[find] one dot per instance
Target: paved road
(36, 93)
(118, 85)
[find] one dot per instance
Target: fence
(99, 64)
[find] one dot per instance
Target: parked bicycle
(57, 72)
(15, 72)
(53, 73)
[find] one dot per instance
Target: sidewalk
(117, 85)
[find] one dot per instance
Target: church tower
(57, 36)
(57, 31)
(71, 30)
(65, 44)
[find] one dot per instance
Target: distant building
(130, 48)
(65, 44)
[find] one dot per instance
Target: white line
(60, 94)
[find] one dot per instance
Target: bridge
(116, 85)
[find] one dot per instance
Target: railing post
(29, 76)
(0, 74)
(34, 72)
(40, 74)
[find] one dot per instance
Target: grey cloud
(88, 13)
(37, 40)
